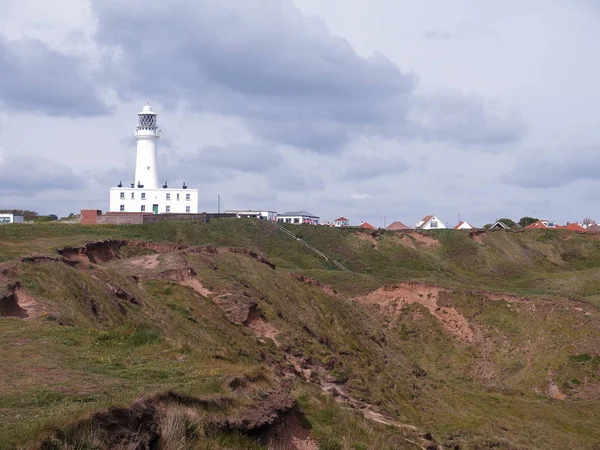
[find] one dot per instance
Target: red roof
(396, 226)
(538, 224)
(593, 228)
(341, 219)
(463, 223)
(427, 219)
(367, 225)
(573, 226)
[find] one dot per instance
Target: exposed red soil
(260, 326)
(425, 240)
(107, 250)
(146, 262)
(369, 237)
(390, 300)
(289, 434)
(186, 277)
(477, 236)
(328, 289)
(16, 302)
(96, 252)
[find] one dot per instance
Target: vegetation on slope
(155, 326)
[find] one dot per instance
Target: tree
(524, 221)
(486, 226)
(508, 222)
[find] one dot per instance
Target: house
(341, 222)
(396, 226)
(542, 224)
(464, 226)
(367, 226)
(298, 218)
(573, 226)
(593, 228)
(499, 226)
(430, 223)
(252, 214)
(10, 218)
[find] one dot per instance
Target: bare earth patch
(367, 237)
(390, 300)
(260, 326)
(145, 262)
(425, 240)
(291, 435)
(16, 302)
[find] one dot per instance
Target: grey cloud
(555, 169)
(372, 167)
(292, 81)
(464, 119)
(28, 174)
(36, 78)
(243, 158)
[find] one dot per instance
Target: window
(122, 208)
(288, 220)
(434, 224)
(143, 208)
(296, 220)
(187, 209)
(168, 209)
(168, 196)
(143, 196)
(188, 197)
(122, 195)
(177, 196)
(133, 196)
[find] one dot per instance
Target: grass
(92, 350)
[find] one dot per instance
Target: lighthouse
(146, 134)
(145, 194)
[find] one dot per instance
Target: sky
(377, 111)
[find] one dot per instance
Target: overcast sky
(386, 108)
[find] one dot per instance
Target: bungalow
(499, 226)
(298, 218)
(464, 226)
(396, 226)
(430, 223)
(573, 226)
(10, 218)
(542, 224)
(367, 226)
(253, 214)
(341, 222)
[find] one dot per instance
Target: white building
(341, 222)
(430, 223)
(298, 218)
(464, 226)
(250, 214)
(145, 194)
(10, 218)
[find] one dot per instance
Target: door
(155, 209)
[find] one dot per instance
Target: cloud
(36, 78)
(465, 119)
(292, 81)
(556, 168)
(28, 174)
(366, 168)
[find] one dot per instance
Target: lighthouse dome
(147, 110)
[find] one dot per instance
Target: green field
(173, 337)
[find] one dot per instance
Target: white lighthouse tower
(145, 194)
(146, 134)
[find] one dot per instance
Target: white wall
(154, 197)
(300, 220)
(10, 218)
(440, 224)
(268, 215)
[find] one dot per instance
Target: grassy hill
(233, 334)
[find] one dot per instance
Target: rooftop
(298, 213)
